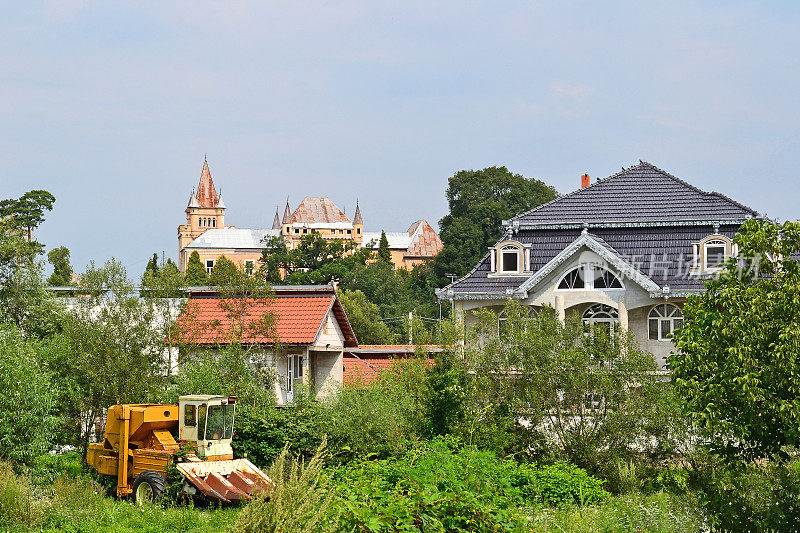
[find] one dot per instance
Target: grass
(660, 512)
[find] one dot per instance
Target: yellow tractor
(194, 435)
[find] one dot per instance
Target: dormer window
(715, 253)
(711, 253)
(509, 259)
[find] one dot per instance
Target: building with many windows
(624, 251)
(205, 231)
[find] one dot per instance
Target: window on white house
(509, 259)
(248, 268)
(663, 320)
(589, 276)
(209, 265)
(573, 279)
(715, 252)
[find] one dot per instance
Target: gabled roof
(299, 312)
(206, 194)
(228, 238)
(641, 193)
(318, 210)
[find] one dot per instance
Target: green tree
(24, 299)
(365, 318)
(384, 254)
(738, 358)
(572, 382)
(152, 266)
(479, 201)
(62, 270)
(27, 211)
(27, 424)
(115, 349)
(315, 260)
(225, 272)
(196, 275)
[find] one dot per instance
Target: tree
(152, 265)
(585, 391)
(315, 260)
(196, 275)
(27, 211)
(115, 349)
(225, 272)
(479, 201)
(738, 358)
(384, 254)
(62, 270)
(365, 318)
(27, 424)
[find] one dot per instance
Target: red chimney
(585, 181)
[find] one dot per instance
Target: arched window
(589, 276)
(509, 258)
(573, 279)
(663, 320)
(601, 315)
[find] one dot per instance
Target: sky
(112, 106)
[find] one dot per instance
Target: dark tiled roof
(642, 193)
(663, 254)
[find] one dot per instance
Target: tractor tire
(148, 487)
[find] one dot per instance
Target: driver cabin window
(201, 419)
(189, 415)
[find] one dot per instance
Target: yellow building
(206, 233)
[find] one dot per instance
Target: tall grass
(300, 503)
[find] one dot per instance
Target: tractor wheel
(148, 487)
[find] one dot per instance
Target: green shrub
(559, 484)
(48, 467)
(263, 434)
(440, 487)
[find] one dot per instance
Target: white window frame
(715, 243)
(249, 267)
(294, 371)
(671, 314)
(211, 267)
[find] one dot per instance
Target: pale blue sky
(112, 106)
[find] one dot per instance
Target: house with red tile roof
(301, 332)
(363, 364)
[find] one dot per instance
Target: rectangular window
(189, 416)
(653, 329)
(305, 230)
(349, 232)
(297, 230)
(213, 222)
(358, 231)
(715, 255)
(248, 268)
(209, 265)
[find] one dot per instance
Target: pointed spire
(357, 217)
(192, 200)
(276, 222)
(206, 195)
(287, 213)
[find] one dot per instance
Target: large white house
(625, 250)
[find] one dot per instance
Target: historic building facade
(206, 233)
(625, 251)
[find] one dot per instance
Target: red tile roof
(363, 364)
(318, 210)
(298, 319)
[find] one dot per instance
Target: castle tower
(358, 225)
(205, 211)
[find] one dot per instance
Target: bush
(440, 487)
(262, 435)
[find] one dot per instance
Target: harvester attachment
(225, 481)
